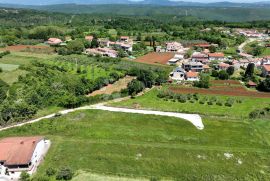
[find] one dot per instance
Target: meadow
(156, 147)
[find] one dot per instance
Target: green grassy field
(145, 146)
(11, 62)
(238, 110)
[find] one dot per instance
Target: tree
(265, 85)
(64, 174)
(212, 49)
(230, 70)
(24, 176)
(94, 43)
(249, 73)
(3, 90)
(135, 86)
(203, 82)
(223, 75)
(214, 73)
(75, 46)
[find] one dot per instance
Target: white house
(192, 76)
(19, 154)
(216, 56)
(173, 46)
(178, 74)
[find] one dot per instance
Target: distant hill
(146, 2)
(222, 11)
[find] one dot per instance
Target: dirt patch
(116, 87)
(26, 48)
(156, 58)
(228, 91)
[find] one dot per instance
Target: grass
(145, 146)
(12, 76)
(238, 110)
(8, 67)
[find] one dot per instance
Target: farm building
(19, 154)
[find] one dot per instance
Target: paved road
(195, 119)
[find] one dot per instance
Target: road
(194, 119)
(241, 48)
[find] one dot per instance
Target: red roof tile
(192, 74)
(18, 150)
(216, 54)
(267, 67)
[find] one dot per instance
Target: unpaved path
(195, 119)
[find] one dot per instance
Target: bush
(64, 174)
(135, 86)
(182, 98)
(50, 172)
(202, 102)
(210, 103)
(219, 103)
(24, 176)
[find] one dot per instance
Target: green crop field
(147, 146)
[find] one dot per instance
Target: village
(89, 98)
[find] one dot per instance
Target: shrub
(182, 98)
(213, 99)
(50, 171)
(210, 103)
(24, 176)
(64, 174)
(201, 101)
(196, 96)
(219, 103)
(192, 101)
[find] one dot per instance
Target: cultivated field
(146, 146)
(156, 58)
(219, 87)
(238, 110)
(30, 48)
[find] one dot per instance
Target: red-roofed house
(266, 70)
(251, 84)
(223, 66)
(202, 45)
(192, 76)
(19, 154)
(216, 56)
(89, 38)
(124, 38)
(54, 41)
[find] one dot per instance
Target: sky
(201, 1)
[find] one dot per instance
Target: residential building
(124, 38)
(175, 59)
(54, 41)
(173, 46)
(216, 56)
(266, 70)
(103, 42)
(192, 76)
(251, 84)
(206, 68)
(200, 57)
(89, 38)
(223, 66)
(178, 74)
(244, 63)
(193, 66)
(102, 51)
(202, 45)
(19, 154)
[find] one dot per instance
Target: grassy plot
(8, 67)
(239, 110)
(133, 145)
